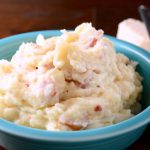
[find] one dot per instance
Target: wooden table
(17, 16)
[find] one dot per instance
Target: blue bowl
(118, 136)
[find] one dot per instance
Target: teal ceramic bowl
(118, 136)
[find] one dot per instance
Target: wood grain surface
(18, 16)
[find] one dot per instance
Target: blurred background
(17, 16)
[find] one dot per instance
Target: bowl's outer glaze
(116, 143)
(121, 135)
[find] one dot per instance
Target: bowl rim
(125, 126)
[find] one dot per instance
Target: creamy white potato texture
(74, 81)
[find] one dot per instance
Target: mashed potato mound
(74, 81)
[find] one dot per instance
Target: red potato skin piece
(53, 93)
(97, 108)
(27, 84)
(48, 66)
(74, 127)
(93, 42)
(77, 83)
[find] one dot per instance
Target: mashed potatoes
(71, 82)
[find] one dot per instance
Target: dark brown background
(17, 16)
